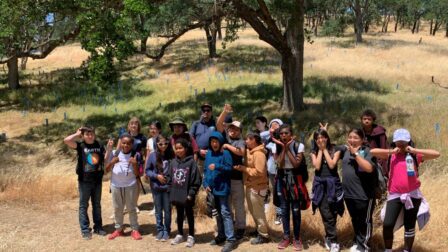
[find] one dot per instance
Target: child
(180, 130)
(155, 129)
(235, 144)
(358, 183)
(124, 185)
(274, 124)
(256, 181)
(404, 186)
(183, 182)
(139, 146)
(90, 174)
(157, 168)
(218, 167)
(290, 187)
(327, 187)
(261, 124)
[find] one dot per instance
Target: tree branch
(267, 18)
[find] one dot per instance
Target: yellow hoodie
(255, 173)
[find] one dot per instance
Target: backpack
(303, 167)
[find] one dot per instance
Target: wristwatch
(356, 154)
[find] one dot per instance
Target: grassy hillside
(391, 73)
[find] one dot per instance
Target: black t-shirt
(325, 170)
(139, 142)
(236, 160)
(90, 161)
(357, 184)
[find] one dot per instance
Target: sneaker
(86, 236)
(259, 240)
(356, 248)
(152, 212)
(165, 236)
(297, 245)
(159, 236)
(190, 242)
(135, 234)
(253, 233)
(327, 243)
(239, 234)
(99, 231)
(178, 239)
(334, 247)
(228, 246)
(278, 219)
(218, 241)
(284, 243)
(115, 234)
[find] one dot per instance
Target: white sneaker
(178, 239)
(334, 247)
(190, 242)
(356, 248)
(327, 243)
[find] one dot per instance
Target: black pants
(181, 211)
(393, 209)
(361, 212)
(329, 217)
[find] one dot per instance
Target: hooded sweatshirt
(183, 180)
(152, 172)
(377, 138)
(218, 179)
(255, 173)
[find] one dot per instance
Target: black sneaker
(253, 233)
(218, 241)
(259, 240)
(86, 236)
(100, 231)
(228, 246)
(239, 234)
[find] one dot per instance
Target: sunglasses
(162, 144)
(284, 133)
(206, 111)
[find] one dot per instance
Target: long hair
(324, 133)
(283, 126)
(135, 119)
(160, 157)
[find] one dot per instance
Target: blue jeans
(224, 219)
(90, 190)
(162, 206)
(288, 206)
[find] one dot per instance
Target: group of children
(236, 171)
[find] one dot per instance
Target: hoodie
(218, 179)
(184, 180)
(152, 172)
(255, 174)
(377, 139)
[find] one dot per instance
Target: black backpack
(303, 167)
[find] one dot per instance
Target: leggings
(181, 211)
(393, 210)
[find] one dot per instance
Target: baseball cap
(236, 124)
(206, 105)
(401, 135)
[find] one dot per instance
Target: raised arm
(70, 141)
(427, 154)
(220, 121)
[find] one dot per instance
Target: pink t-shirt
(399, 181)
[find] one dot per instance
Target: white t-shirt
(288, 164)
(122, 172)
(150, 145)
(272, 167)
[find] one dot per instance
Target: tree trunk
(23, 62)
(414, 26)
(436, 27)
(143, 44)
(418, 25)
(430, 26)
(366, 27)
(211, 41)
(219, 28)
(358, 21)
(13, 73)
(292, 63)
(397, 20)
(446, 29)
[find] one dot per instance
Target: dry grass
(42, 177)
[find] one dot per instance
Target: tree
(281, 25)
(32, 29)
(360, 9)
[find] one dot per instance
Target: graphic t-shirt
(399, 181)
(122, 172)
(90, 161)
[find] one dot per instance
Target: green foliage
(334, 27)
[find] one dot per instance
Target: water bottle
(410, 165)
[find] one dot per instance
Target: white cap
(402, 135)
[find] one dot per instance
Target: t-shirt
(288, 164)
(399, 181)
(272, 167)
(150, 145)
(139, 142)
(90, 161)
(325, 170)
(122, 172)
(236, 160)
(357, 184)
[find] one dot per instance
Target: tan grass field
(38, 189)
